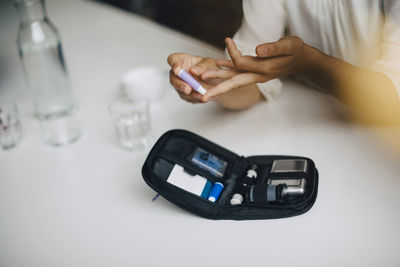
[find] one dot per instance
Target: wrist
(240, 98)
(313, 58)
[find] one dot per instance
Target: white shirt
(365, 33)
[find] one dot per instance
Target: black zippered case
(177, 147)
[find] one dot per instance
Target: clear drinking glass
(132, 123)
(45, 71)
(10, 126)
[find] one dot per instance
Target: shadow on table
(298, 106)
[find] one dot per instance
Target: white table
(86, 204)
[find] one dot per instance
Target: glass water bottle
(40, 51)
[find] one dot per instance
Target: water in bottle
(46, 74)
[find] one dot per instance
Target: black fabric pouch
(181, 147)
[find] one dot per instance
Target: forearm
(371, 96)
(240, 98)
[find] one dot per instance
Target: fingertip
(262, 51)
(187, 89)
(204, 98)
(205, 75)
(176, 70)
(184, 88)
(196, 69)
(170, 59)
(207, 96)
(196, 95)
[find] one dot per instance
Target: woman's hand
(196, 66)
(285, 57)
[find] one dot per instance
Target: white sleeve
(263, 21)
(389, 63)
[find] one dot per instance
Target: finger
(176, 70)
(271, 49)
(203, 65)
(173, 59)
(234, 53)
(195, 95)
(276, 66)
(247, 63)
(180, 58)
(283, 47)
(241, 62)
(188, 98)
(179, 61)
(237, 81)
(225, 63)
(218, 74)
(178, 84)
(265, 66)
(185, 91)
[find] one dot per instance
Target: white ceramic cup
(143, 83)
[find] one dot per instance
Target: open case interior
(254, 187)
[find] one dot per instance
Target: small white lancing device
(236, 199)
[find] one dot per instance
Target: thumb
(282, 47)
(266, 50)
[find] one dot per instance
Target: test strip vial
(215, 192)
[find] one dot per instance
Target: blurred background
(208, 20)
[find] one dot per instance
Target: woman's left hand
(285, 57)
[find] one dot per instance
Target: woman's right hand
(196, 66)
